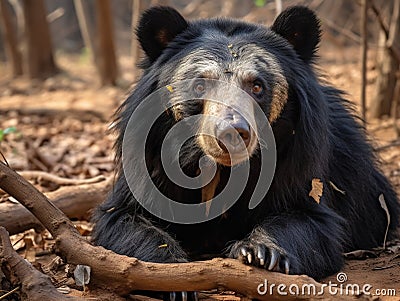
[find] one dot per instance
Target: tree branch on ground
(75, 201)
(122, 274)
(35, 174)
(34, 284)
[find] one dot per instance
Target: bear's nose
(234, 137)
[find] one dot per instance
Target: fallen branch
(42, 175)
(75, 201)
(84, 115)
(34, 285)
(123, 274)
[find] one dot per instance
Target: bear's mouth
(228, 160)
(225, 154)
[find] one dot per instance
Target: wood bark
(123, 274)
(39, 60)
(10, 35)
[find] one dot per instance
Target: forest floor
(61, 128)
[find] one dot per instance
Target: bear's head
(270, 65)
(258, 60)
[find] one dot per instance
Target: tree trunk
(387, 66)
(82, 9)
(364, 46)
(13, 53)
(106, 62)
(39, 59)
(136, 51)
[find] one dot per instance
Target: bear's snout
(233, 135)
(228, 130)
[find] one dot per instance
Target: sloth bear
(316, 133)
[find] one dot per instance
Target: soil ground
(62, 128)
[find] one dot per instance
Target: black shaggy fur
(317, 136)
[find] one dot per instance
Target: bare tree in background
(156, 2)
(86, 27)
(137, 8)
(364, 46)
(38, 59)
(107, 61)
(98, 37)
(387, 63)
(236, 8)
(11, 39)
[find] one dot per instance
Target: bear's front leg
(301, 242)
(135, 236)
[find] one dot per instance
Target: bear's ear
(301, 27)
(157, 27)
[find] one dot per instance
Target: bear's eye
(199, 88)
(257, 88)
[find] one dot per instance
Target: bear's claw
(181, 296)
(259, 255)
